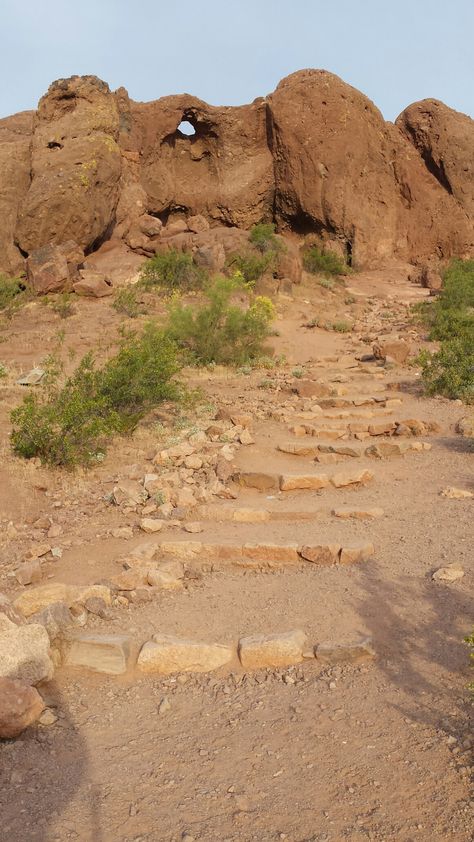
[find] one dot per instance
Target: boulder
(15, 164)
(47, 270)
(25, 653)
(450, 573)
(165, 654)
(20, 706)
(92, 284)
(397, 349)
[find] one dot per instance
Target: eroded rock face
(315, 157)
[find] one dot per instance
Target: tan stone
(111, 654)
(271, 553)
(345, 478)
(151, 525)
(358, 514)
(250, 515)
(257, 479)
(184, 550)
(356, 553)
(272, 650)
(25, 652)
(324, 554)
(354, 652)
(385, 428)
(246, 438)
(164, 580)
(34, 600)
(193, 527)
(457, 493)
(165, 654)
(385, 450)
(20, 706)
(298, 448)
(290, 482)
(450, 573)
(29, 572)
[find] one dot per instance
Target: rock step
(168, 655)
(292, 482)
(222, 513)
(383, 449)
(263, 555)
(407, 427)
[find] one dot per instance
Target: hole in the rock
(348, 250)
(54, 144)
(186, 128)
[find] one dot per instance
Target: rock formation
(92, 167)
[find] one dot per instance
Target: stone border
(169, 655)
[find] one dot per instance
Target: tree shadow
(41, 772)
(419, 653)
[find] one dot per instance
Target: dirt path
(365, 751)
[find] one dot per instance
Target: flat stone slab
(112, 654)
(272, 650)
(346, 513)
(294, 482)
(165, 654)
(337, 653)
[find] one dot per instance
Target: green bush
(219, 331)
(70, 424)
(341, 327)
(263, 237)
(319, 261)
(326, 283)
(12, 294)
(252, 266)
(126, 302)
(63, 305)
(172, 270)
(450, 371)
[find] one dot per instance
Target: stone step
(224, 513)
(262, 481)
(262, 555)
(383, 449)
(410, 427)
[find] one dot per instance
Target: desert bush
(69, 423)
(263, 238)
(319, 261)
(219, 331)
(12, 294)
(127, 303)
(326, 283)
(341, 327)
(450, 371)
(172, 270)
(252, 266)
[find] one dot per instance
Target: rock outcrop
(92, 167)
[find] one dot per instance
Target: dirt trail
(308, 753)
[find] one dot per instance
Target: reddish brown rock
(20, 706)
(47, 270)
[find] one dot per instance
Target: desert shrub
(69, 423)
(263, 238)
(172, 270)
(219, 331)
(126, 302)
(450, 371)
(252, 266)
(12, 294)
(326, 283)
(341, 327)
(319, 261)
(63, 305)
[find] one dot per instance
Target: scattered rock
(457, 493)
(151, 525)
(20, 706)
(450, 573)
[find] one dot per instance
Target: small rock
(195, 526)
(151, 525)
(164, 706)
(48, 717)
(32, 378)
(29, 572)
(457, 493)
(450, 573)
(20, 706)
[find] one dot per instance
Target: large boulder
(24, 652)
(445, 140)
(15, 139)
(75, 166)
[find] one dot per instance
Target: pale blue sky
(230, 52)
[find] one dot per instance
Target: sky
(228, 52)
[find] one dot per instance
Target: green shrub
(326, 283)
(263, 237)
(126, 302)
(252, 266)
(172, 270)
(219, 331)
(450, 371)
(319, 261)
(341, 327)
(12, 294)
(70, 424)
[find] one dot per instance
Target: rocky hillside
(316, 156)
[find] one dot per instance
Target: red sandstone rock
(20, 706)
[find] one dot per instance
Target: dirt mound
(315, 157)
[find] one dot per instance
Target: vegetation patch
(219, 331)
(13, 294)
(172, 270)
(69, 421)
(126, 301)
(320, 261)
(450, 319)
